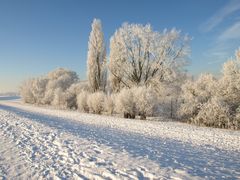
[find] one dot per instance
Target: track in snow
(63, 147)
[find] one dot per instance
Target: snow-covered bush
(59, 78)
(70, 100)
(214, 113)
(96, 102)
(109, 104)
(33, 90)
(59, 99)
(196, 93)
(42, 90)
(236, 120)
(229, 84)
(39, 89)
(146, 101)
(212, 102)
(72, 93)
(26, 91)
(125, 103)
(82, 99)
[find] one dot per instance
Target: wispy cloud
(216, 61)
(220, 15)
(218, 52)
(233, 32)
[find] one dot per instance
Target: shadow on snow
(204, 161)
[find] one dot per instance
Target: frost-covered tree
(33, 90)
(62, 78)
(229, 84)
(96, 60)
(96, 102)
(212, 102)
(39, 89)
(195, 94)
(43, 90)
(139, 55)
(59, 78)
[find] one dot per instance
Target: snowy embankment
(42, 143)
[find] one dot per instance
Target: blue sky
(37, 36)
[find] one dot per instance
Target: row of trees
(214, 102)
(63, 89)
(144, 76)
(138, 56)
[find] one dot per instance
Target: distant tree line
(143, 76)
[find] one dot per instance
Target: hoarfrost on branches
(96, 60)
(138, 55)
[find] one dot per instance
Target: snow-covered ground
(40, 143)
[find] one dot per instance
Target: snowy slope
(42, 143)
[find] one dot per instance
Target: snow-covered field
(40, 143)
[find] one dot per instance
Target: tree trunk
(128, 115)
(143, 116)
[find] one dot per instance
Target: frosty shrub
(42, 90)
(59, 99)
(230, 83)
(33, 90)
(26, 91)
(38, 89)
(71, 94)
(125, 103)
(214, 113)
(196, 93)
(212, 102)
(59, 78)
(78, 87)
(82, 101)
(146, 101)
(109, 104)
(236, 121)
(70, 99)
(96, 102)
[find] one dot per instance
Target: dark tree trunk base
(129, 116)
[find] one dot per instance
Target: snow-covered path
(49, 143)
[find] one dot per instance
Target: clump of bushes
(82, 101)
(109, 104)
(130, 103)
(213, 102)
(214, 113)
(96, 102)
(125, 103)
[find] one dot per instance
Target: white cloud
(233, 32)
(220, 15)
